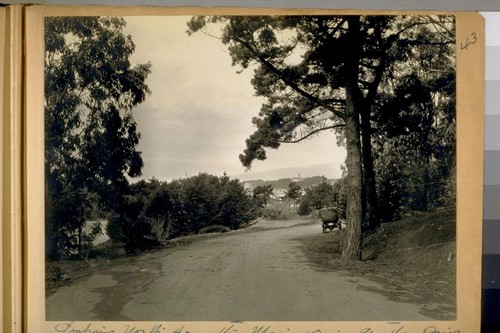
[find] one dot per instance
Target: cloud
(188, 71)
(199, 113)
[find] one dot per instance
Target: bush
(321, 195)
(157, 211)
(114, 228)
(304, 207)
(216, 228)
(131, 226)
(261, 195)
(235, 206)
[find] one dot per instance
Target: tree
(261, 194)
(294, 192)
(199, 195)
(165, 211)
(150, 214)
(316, 197)
(209, 200)
(320, 195)
(236, 207)
(303, 97)
(415, 142)
(155, 211)
(91, 136)
(325, 73)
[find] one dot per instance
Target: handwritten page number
(468, 42)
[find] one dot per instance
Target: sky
(200, 110)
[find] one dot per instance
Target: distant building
(279, 194)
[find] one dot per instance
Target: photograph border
(470, 134)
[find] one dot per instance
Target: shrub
(131, 226)
(305, 207)
(235, 206)
(216, 228)
(261, 195)
(157, 211)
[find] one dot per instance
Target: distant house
(279, 194)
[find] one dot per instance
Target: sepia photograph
(262, 168)
(240, 170)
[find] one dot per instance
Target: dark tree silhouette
(323, 73)
(91, 136)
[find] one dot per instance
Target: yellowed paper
(470, 74)
(11, 168)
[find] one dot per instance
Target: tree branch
(280, 75)
(312, 133)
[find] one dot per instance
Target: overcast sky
(199, 113)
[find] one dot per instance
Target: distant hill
(328, 170)
(283, 183)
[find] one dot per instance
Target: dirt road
(240, 276)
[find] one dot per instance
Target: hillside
(403, 256)
(283, 183)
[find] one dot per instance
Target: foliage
(415, 146)
(278, 211)
(157, 211)
(261, 194)
(235, 205)
(91, 136)
(305, 207)
(294, 192)
(316, 197)
(304, 182)
(324, 195)
(323, 73)
(214, 229)
(132, 224)
(64, 214)
(199, 195)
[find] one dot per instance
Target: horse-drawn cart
(329, 219)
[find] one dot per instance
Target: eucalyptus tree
(91, 89)
(324, 73)
(415, 121)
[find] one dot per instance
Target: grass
(413, 260)
(279, 210)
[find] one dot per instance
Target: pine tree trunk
(354, 239)
(353, 242)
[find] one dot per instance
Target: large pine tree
(321, 73)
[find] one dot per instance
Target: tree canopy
(261, 194)
(156, 211)
(320, 73)
(91, 89)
